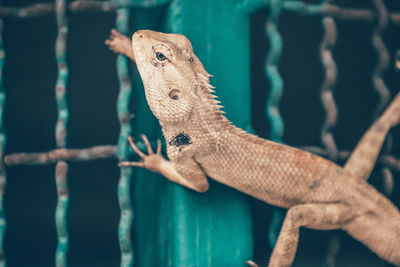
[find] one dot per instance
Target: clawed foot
(119, 43)
(251, 263)
(152, 161)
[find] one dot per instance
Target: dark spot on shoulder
(180, 140)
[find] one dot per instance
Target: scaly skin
(202, 142)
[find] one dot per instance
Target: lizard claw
(251, 263)
(152, 161)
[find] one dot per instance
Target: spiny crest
(214, 109)
(209, 91)
(216, 114)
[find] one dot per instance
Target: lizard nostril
(140, 36)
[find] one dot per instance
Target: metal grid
(121, 151)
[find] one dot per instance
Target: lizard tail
(363, 158)
(392, 113)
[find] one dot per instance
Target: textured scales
(201, 141)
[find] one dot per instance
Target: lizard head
(168, 68)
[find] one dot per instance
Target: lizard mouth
(137, 47)
(138, 55)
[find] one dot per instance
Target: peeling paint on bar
(124, 194)
(61, 134)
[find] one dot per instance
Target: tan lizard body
(202, 142)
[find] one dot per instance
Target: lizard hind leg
(381, 233)
(394, 111)
(316, 216)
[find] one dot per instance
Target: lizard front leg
(320, 216)
(121, 44)
(184, 171)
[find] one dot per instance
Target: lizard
(202, 142)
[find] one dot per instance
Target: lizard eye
(160, 56)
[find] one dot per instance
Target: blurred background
(30, 73)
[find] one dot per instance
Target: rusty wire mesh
(62, 154)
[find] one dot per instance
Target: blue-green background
(30, 114)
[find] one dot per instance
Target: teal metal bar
(124, 116)
(182, 227)
(61, 134)
(2, 148)
(219, 219)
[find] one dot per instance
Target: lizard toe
(251, 263)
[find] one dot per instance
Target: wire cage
(58, 100)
